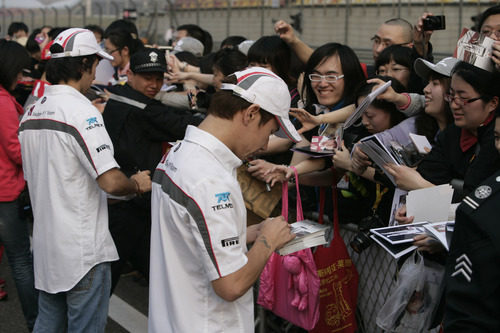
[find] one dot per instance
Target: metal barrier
(376, 270)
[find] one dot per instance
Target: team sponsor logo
(93, 123)
(103, 147)
(230, 241)
(223, 201)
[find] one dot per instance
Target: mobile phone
(434, 23)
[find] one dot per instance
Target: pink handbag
(289, 285)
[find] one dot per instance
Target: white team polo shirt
(198, 235)
(65, 147)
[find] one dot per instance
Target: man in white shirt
(201, 273)
(69, 165)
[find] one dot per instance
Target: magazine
(308, 234)
(365, 103)
(379, 154)
(395, 250)
(476, 49)
(398, 240)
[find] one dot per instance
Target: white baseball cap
(189, 44)
(261, 86)
(78, 42)
(424, 68)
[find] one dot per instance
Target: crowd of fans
(148, 95)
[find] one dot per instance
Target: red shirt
(11, 171)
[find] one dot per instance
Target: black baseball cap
(148, 60)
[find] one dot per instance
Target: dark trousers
(130, 227)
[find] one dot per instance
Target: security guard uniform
(473, 264)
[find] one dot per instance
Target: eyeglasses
(111, 51)
(460, 101)
(386, 43)
(328, 78)
(491, 32)
(393, 70)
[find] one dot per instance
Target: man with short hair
(201, 273)
(396, 31)
(140, 127)
(69, 166)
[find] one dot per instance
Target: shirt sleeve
(9, 124)
(221, 234)
(95, 150)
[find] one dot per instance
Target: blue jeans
(15, 237)
(81, 309)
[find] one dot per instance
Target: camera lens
(361, 241)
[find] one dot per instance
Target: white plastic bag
(414, 298)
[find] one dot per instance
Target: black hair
(427, 125)
(353, 73)
(273, 51)
(121, 39)
(232, 42)
(402, 56)
(95, 29)
(198, 33)
(122, 25)
(56, 31)
(206, 63)
(188, 57)
(31, 44)
(63, 70)
(228, 61)
(366, 88)
(485, 83)
(15, 27)
(495, 10)
(13, 58)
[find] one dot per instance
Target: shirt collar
(213, 145)
(64, 89)
(467, 139)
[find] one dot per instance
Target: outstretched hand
(308, 120)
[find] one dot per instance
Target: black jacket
(473, 265)
(446, 161)
(138, 127)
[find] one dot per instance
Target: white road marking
(126, 316)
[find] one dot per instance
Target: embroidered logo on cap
(153, 56)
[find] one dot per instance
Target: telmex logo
(92, 121)
(222, 197)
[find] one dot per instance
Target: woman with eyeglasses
(121, 45)
(331, 76)
(465, 153)
(397, 61)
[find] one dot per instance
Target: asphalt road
(127, 313)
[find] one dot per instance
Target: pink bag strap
(284, 198)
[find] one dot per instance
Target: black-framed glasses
(328, 78)
(110, 52)
(460, 101)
